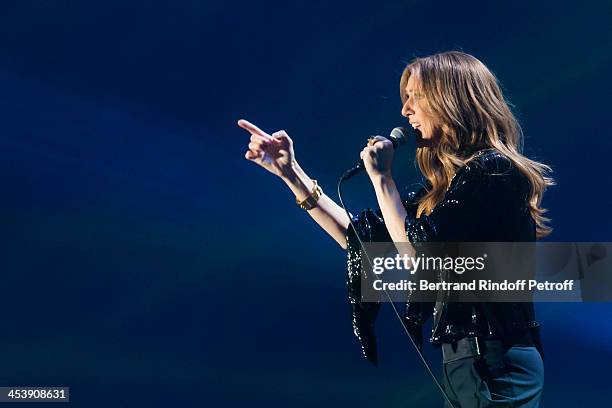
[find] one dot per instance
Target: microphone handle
(354, 170)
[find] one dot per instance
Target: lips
(415, 125)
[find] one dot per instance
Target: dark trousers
(501, 377)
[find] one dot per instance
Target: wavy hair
(466, 98)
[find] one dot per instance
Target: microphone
(398, 137)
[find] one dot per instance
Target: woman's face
(416, 110)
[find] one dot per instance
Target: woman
(479, 188)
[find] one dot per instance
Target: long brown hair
(465, 97)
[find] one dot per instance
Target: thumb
(281, 137)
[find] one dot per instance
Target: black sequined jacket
(487, 201)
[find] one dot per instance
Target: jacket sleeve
(370, 227)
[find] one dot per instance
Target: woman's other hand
(275, 153)
(272, 152)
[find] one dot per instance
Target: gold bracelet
(310, 202)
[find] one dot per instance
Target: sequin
(485, 202)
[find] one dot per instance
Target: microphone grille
(399, 135)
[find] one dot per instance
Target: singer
(478, 187)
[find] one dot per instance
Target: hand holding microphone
(376, 158)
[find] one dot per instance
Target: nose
(407, 109)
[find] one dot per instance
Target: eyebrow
(411, 90)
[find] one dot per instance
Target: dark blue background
(144, 260)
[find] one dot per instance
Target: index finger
(246, 125)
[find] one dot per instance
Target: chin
(423, 140)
